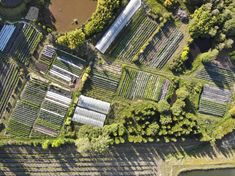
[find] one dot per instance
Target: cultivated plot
(162, 47)
(132, 38)
(214, 100)
(138, 84)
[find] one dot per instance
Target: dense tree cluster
(148, 122)
(215, 21)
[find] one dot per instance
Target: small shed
(32, 14)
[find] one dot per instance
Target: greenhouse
(118, 25)
(89, 117)
(94, 104)
(60, 98)
(5, 35)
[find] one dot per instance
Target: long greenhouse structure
(118, 25)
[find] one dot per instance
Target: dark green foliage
(214, 21)
(177, 66)
(204, 22)
(229, 27)
(163, 106)
(232, 57)
(144, 122)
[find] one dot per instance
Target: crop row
(134, 36)
(53, 111)
(214, 100)
(138, 84)
(106, 80)
(25, 114)
(34, 92)
(217, 75)
(9, 77)
(162, 47)
(213, 108)
(68, 67)
(36, 107)
(54, 119)
(26, 43)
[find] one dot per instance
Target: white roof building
(118, 25)
(32, 14)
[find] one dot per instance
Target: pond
(66, 11)
(214, 172)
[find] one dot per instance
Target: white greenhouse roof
(88, 117)
(59, 98)
(118, 25)
(94, 104)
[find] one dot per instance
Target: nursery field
(25, 42)
(27, 109)
(162, 47)
(9, 77)
(132, 38)
(65, 66)
(219, 76)
(105, 80)
(41, 109)
(52, 113)
(138, 84)
(214, 101)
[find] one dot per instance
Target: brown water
(65, 11)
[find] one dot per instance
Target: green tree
(83, 145)
(163, 106)
(45, 144)
(182, 93)
(101, 144)
(229, 27)
(72, 39)
(232, 111)
(177, 108)
(204, 23)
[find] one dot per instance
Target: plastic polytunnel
(94, 104)
(118, 25)
(88, 117)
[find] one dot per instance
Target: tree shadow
(123, 159)
(221, 77)
(10, 164)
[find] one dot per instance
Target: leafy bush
(232, 111)
(72, 39)
(232, 57)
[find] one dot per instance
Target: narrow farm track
(126, 159)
